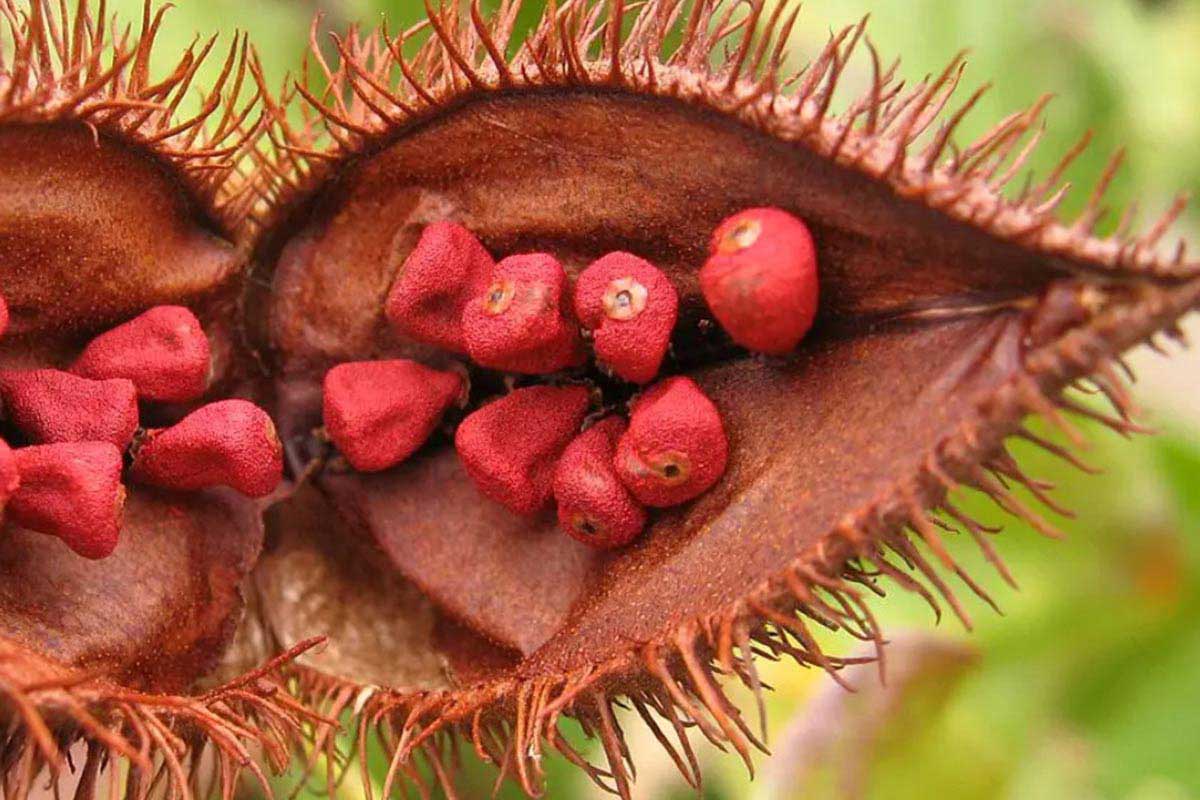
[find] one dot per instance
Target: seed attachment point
(625, 299)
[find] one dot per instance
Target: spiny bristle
(79, 67)
(160, 737)
(734, 66)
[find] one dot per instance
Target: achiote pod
(377, 230)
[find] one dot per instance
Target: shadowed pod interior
(954, 306)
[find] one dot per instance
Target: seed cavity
(524, 449)
(77, 425)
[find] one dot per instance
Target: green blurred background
(1089, 685)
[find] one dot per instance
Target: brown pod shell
(950, 311)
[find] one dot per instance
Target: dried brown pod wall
(951, 312)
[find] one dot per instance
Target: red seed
(593, 505)
(379, 412)
(49, 405)
(510, 446)
(3, 316)
(71, 490)
(163, 351)
(520, 323)
(228, 443)
(442, 273)
(631, 306)
(675, 448)
(761, 279)
(10, 477)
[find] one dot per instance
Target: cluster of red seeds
(522, 315)
(81, 422)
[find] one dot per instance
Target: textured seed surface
(631, 307)
(72, 491)
(443, 272)
(163, 351)
(760, 279)
(49, 405)
(379, 412)
(593, 505)
(675, 448)
(511, 445)
(228, 443)
(10, 477)
(522, 321)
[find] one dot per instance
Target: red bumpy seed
(760, 279)
(49, 405)
(675, 448)
(519, 323)
(442, 273)
(631, 307)
(228, 443)
(593, 505)
(163, 351)
(379, 412)
(3, 316)
(10, 477)
(73, 491)
(511, 446)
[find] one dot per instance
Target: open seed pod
(111, 203)
(950, 312)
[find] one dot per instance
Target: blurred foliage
(1089, 686)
